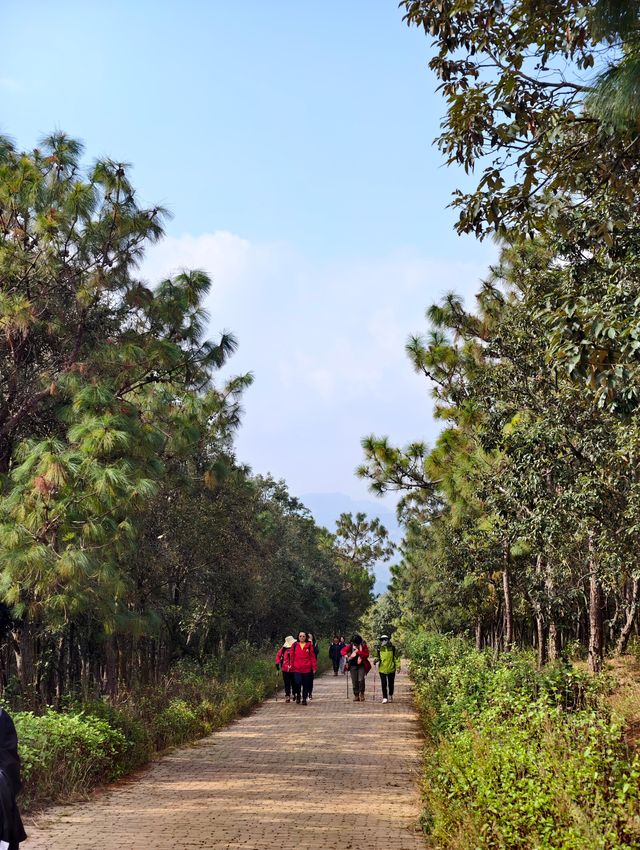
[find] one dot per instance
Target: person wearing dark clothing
(357, 656)
(303, 665)
(283, 663)
(335, 652)
(343, 660)
(11, 828)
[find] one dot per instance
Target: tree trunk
(539, 613)
(508, 602)
(541, 640)
(25, 662)
(479, 634)
(596, 631)
(111, 670)
(632, 610)
(554, 642)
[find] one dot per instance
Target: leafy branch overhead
(528, 104)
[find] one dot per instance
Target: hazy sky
(293, 144)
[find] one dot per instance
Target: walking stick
(375, 676)
(277, 682)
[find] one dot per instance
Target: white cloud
(326, 344)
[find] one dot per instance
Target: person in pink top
(303, 665)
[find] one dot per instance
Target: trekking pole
(277, 682)
(375, 676)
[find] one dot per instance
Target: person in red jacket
(283, 662)
(303, 665)
(357, 656)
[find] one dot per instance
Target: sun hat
(289, 641)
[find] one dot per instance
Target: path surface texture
(334, 775)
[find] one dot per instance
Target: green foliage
(515, 77)
(66, 754)
(535, 475)
(360, 543)
(521, 759)
(130, 536)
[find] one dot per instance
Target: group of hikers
(298, 662)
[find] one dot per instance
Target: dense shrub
(518, 758)
(67, 753)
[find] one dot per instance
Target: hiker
(11, 828)
(303, 665)
(335, 652)
(343, 660)
(283, 662)
(357, 656)
(387, 659)
(316, 648)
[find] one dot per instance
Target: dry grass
(625, 697)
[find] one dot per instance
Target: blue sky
(293, 144)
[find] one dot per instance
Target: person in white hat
(283, 663)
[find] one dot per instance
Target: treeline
(522, 521)
(130, 536)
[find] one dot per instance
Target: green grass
(518, 758)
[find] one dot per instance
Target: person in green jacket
(386, 657)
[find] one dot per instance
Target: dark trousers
(387, 679)
(336, 664)
(357, 679)
(313, 677)
(302, 683)
(287, 678)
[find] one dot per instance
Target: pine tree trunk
(111, 672)
(25, 662)
(61, 667)
(632, 611)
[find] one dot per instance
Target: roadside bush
(63, 754)
(66, 754)
(518, 758)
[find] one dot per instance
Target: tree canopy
(130, 535)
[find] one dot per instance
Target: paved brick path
(335, 775)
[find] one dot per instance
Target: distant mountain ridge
(327, 507)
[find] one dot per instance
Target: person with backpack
(335, 653)
(303, 665)
(283, 663)
(387, 660)
(357, 657)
